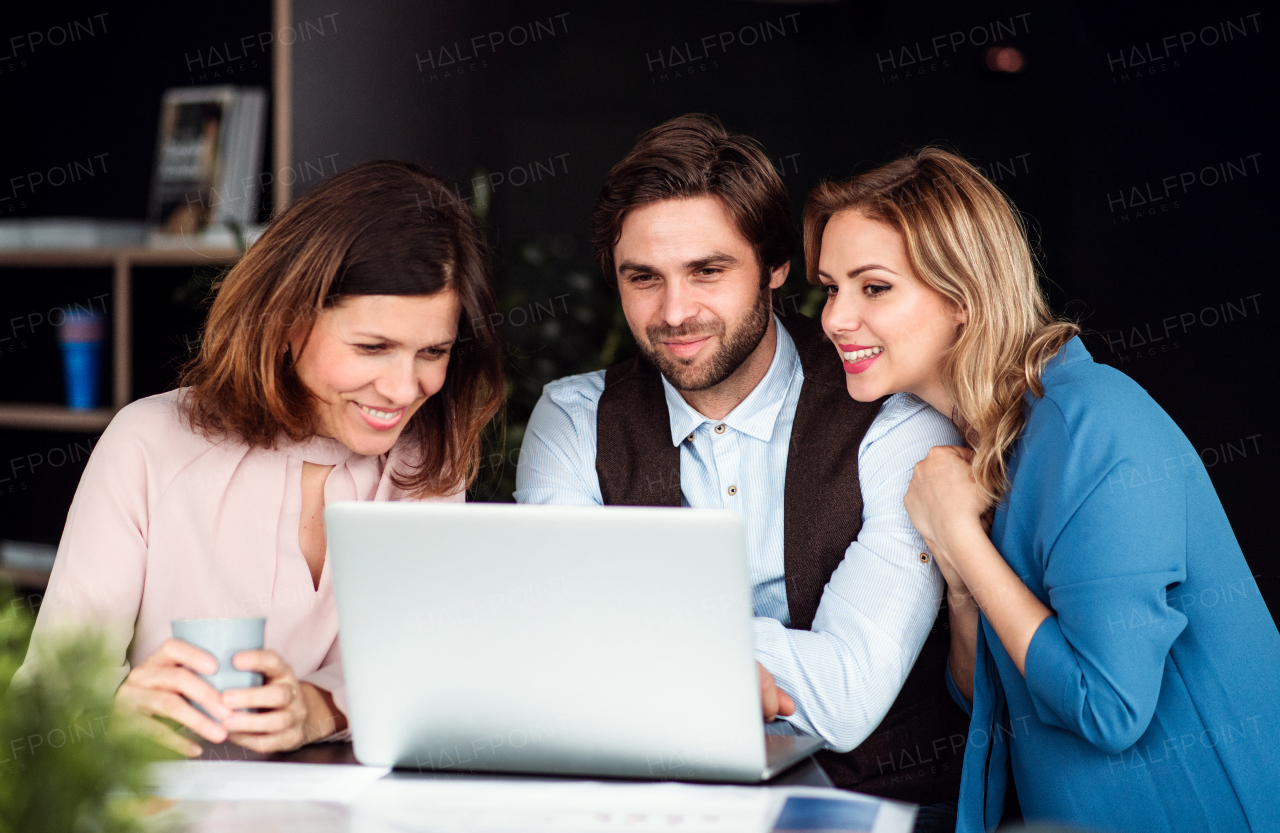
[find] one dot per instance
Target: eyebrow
(378, 337)
(632, 266)
(853, 273)
(712, 259)
(715, 258)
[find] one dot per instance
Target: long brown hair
(967, 242)
(694, 156)
(381, 228)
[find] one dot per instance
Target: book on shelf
(211, 237)
(69, 233)
(206, 187)
(208, 158)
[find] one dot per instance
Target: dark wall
(81, 83)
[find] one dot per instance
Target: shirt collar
(324, 451)
(755, 416)
(1071, 352)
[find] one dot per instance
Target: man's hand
(773, 700)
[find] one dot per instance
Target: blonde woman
(1080, 537)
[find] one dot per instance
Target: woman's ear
(960, 315)
(294, 340)
(290, 349)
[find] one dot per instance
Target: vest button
(733, 490)
(720, 428)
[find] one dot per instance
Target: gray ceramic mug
(224, 638)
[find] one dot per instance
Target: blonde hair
(965, 241)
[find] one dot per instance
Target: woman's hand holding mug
(162, 685)
(289, 712)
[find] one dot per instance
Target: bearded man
(728, 406)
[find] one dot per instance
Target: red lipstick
(862, 365)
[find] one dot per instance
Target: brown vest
(916, 751)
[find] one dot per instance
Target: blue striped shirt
(881, 601)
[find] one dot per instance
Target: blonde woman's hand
(161, 686)
(947, 507)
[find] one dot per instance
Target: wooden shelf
(121, 260)
(25, 578)
(119, 257)
(53, 417)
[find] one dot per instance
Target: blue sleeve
(557, 463)
(1095, 667)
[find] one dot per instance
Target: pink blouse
(167, 524)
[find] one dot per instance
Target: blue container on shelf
(82, 336)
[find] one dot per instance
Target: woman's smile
(381, 419)
(858, 358)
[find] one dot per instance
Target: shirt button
(733, 490)
(690, 437)
(720, 428)
(924, 558)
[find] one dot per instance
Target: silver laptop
(559, 640)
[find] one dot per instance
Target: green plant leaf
(67, 761)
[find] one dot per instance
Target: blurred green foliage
(66, 763)
(558, 318)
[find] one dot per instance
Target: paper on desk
(262, 780)
(475, 804)
(462, 805)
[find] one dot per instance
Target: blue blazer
(1152, 695)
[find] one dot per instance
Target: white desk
(360, 801)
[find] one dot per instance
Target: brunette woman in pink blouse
(345, 357)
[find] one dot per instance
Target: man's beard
(735, 347)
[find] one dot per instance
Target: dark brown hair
(381, 228)
(694, 156)
(965, 241)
